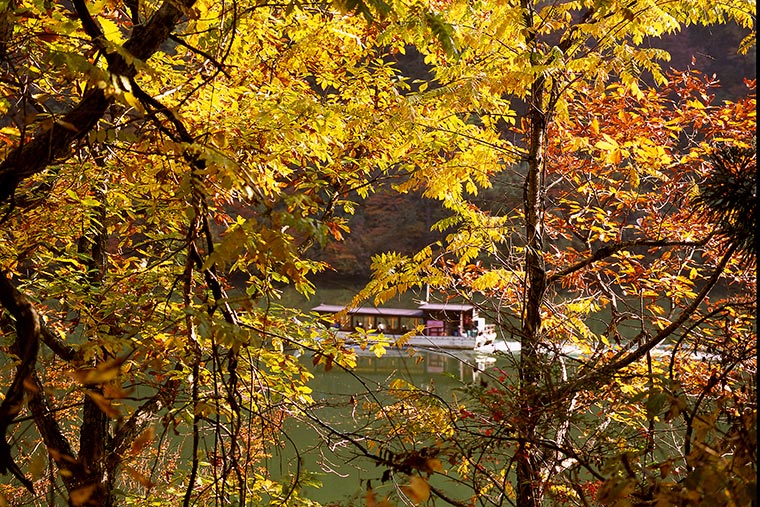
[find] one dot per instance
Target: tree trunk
(529, 488)
(95, 434)
(89, 477)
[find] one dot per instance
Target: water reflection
(422, 368)
(465, 366)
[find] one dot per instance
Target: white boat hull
(426, 342)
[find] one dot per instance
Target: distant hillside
(387, 221)
(713, 50)
(392, 222)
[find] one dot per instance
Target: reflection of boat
(446, 325)
(462, 364)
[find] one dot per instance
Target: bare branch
(58, 346)
(219, 65)
(141, 418)
(602, 374)
(57, 444)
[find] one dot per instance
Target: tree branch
(204, 54)
(53, 143)
(609, 250)
(57, 444)
(602, 374)
(140, 419)
(26, 347)
(54, 343)
(90, 27)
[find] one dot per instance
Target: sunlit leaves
(238, 179)
(269, 124)
(621, 167)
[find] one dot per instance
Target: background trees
(168, 167)
(638, 323)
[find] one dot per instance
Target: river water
(331, 458)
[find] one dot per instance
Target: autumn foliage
(169, 169)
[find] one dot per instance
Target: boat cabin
(439, 319)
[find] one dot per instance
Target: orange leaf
(418, 489)
(145, 438)
(594, 126)
(369, 498)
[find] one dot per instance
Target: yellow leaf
(132, 101)
(608, 144)
(635, 90)
(9, 131)
(111, 30)
(378, 349)
(635, 180)
(594, 126)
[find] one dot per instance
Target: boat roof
(453, 307)
(370, 310)
(400, 312)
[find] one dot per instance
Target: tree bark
(25, 347)
(95, 432)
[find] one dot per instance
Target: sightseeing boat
(444, 325)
